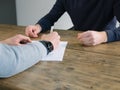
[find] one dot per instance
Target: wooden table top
(82, 68)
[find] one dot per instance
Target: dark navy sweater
(97, 15)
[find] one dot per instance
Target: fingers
(32, 30)
(53, 37)
(54, 34)
(91, 38)
(20, 39)
(85, 41)
(86, 38)
(24, 40)
(84, 35)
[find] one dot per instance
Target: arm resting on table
(15, 59)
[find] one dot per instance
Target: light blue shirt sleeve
(15, 59)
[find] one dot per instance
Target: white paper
(56, 55)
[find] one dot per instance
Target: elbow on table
(7, 72)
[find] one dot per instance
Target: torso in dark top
(90, 14)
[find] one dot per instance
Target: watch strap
(48, 45)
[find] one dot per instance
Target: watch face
(49, 46)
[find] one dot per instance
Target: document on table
(56, 55)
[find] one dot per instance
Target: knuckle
(19, 35)
(55, 33)
(91, 33)
(93, 42)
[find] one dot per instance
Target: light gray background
(30, 11)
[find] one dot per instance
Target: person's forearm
(47, 21)
(15, 59)
(104, 36)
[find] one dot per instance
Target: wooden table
(83, 68)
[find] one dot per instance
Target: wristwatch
(48, 45)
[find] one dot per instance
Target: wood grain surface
(82, 68)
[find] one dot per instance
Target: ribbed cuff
(110, 35)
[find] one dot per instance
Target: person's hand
(53, 37)
(17, 40)
(33, 30)
(91, 38)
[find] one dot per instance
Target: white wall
(30, 11)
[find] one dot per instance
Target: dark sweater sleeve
(114, 35)
(47, 21)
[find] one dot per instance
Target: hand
(16, 40)
(91, 38)
(33, 30)
(53, 37)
